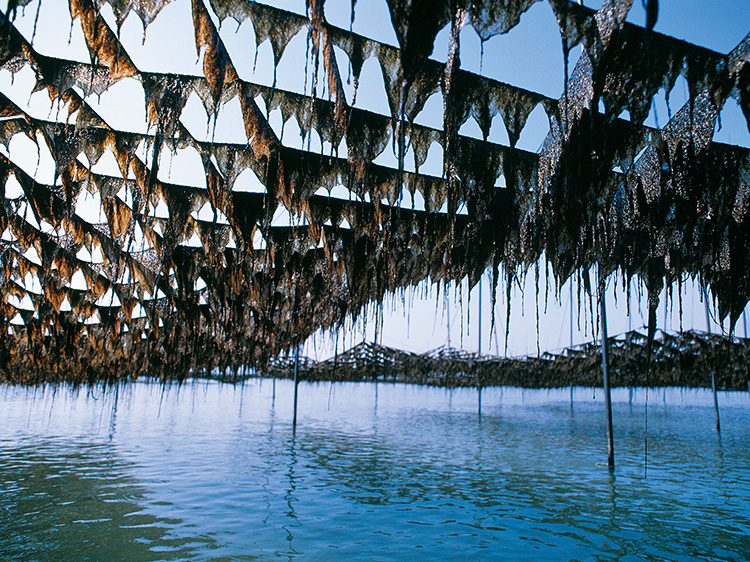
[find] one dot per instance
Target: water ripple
(207, 472)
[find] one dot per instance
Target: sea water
(208, 471)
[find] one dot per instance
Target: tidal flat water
(207, 471)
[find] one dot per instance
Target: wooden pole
(296, 383)
(708, 315)
(571, 338)
(494, 316)
(744, 324)
(479, 350)
(713, 376)
(479, 324)
(716, 402)
(605, 379)
(448, 318)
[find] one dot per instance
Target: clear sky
(529, 56)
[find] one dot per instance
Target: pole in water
(448, 318)
(479, 326)
(571, 337)
(605, 379)
(716, 402)
(713, 375)
(296, 383)
(479, 349)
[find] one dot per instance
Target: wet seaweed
(177, 294)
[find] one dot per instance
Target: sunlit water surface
(372, 472)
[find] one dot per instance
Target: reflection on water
(67, 499)
(210, 472)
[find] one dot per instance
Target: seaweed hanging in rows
(176, 279)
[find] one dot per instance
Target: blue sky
(529, 56)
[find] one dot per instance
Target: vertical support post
(571, 337)
(479, 349)
(479, 326)
(744, 325)
(605, 379)
(448, 317)
(296, 383)
(713, 375)
(716, 402)
(708, 316)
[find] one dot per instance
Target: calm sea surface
(373, 472)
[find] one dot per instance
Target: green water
(386, 472)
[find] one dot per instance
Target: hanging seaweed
(167, 280)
